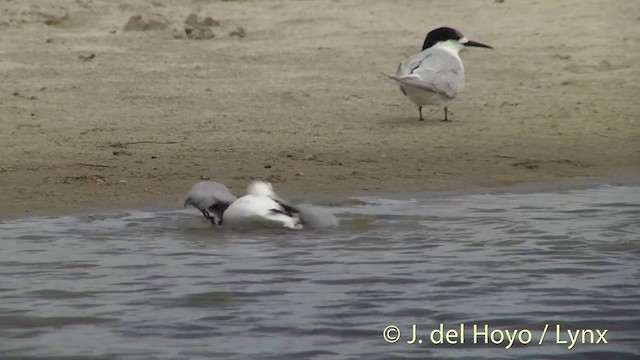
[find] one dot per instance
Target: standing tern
(435, 75)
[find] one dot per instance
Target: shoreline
(551, 186)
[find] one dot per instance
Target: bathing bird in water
(435, 76)
(261, 206)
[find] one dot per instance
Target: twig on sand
(121, 144)
(95, 165)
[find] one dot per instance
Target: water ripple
(166, 285)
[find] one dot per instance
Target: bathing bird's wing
(211, 198)
(285, 208)
(315, 217)
(310, 216)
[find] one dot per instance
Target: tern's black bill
(477, 44)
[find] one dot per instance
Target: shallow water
(166, 285)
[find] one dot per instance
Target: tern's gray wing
(433, 69)
(211, 198)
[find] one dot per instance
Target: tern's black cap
(441, 34)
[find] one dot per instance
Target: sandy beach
(105, 105)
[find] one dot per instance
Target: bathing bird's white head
(435, 76)
(261, 188)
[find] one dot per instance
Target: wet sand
(93, 116)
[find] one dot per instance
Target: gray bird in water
(213, 199)
(435, 76)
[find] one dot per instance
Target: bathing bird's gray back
(205, 194)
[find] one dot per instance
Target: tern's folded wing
(435, 70)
